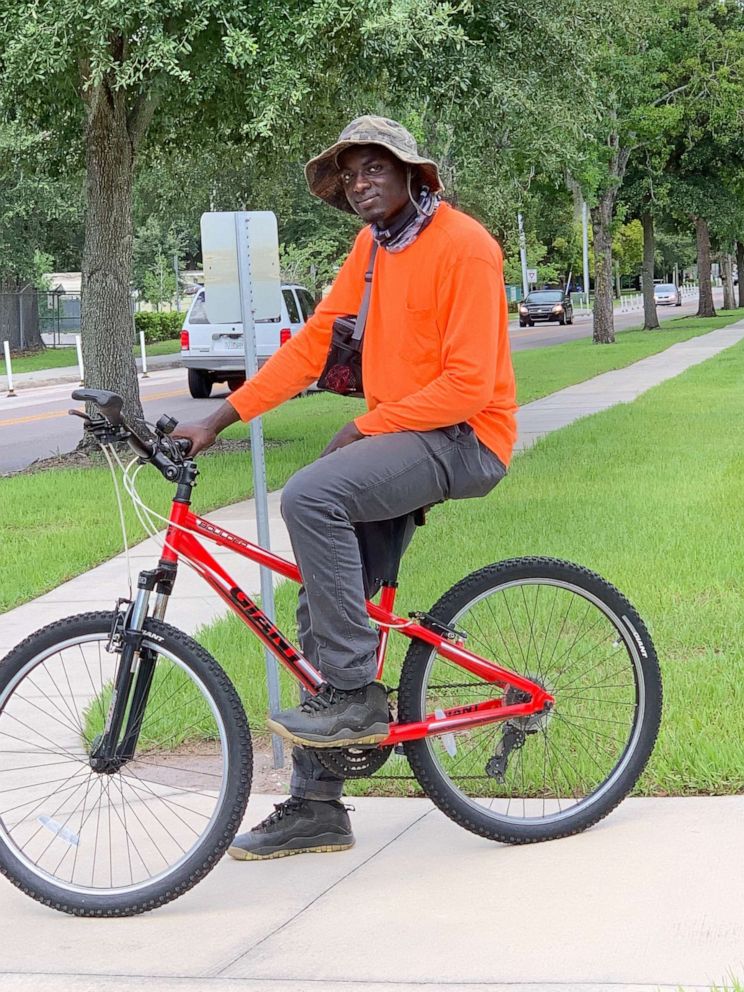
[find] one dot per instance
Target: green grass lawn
(649, 495)
(55, 525)
(58, 358)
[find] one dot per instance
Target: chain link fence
(30, 317)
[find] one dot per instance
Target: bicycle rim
(542, 770)
(100, 834)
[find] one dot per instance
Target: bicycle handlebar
(166, 454)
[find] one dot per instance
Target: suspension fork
(134, 674)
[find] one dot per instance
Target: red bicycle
(125, 753)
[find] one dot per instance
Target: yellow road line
(52, 414)
(34, 416)
(164, 396)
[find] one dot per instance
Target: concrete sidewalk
(648, 899)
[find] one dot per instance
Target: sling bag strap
(362, 315)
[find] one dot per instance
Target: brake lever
(103, 431)
(83, 416)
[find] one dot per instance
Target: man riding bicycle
(440, 424)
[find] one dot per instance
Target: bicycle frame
(182, 542)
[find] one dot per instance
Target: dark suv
(546, 304)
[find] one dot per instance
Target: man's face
(374, 181)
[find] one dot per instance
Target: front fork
(118, 741)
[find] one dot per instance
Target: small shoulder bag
(342, 372)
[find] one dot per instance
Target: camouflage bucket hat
(322, 172)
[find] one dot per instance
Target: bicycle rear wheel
(541, 777)
(124, 840)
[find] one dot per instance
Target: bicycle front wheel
(541, 777)
(126, 839)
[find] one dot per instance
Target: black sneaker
(336, 718)
(297, 826)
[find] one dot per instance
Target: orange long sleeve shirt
(436, 342)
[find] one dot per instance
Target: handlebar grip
(108, 403)
(183, 444)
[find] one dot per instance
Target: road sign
(222, 296)
(531, 275)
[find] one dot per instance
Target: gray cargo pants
(324, 506)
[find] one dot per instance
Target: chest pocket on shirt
(419, 344)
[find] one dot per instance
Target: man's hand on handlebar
(199, 436)
(203, 433)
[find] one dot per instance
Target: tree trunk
(650, 317)
(740, 270)
(604, 326)
(106, 320)
(705, 300)
(727, 276)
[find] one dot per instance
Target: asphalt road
(35, 424)
(545, 334)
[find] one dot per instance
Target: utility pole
(523, 254)
(175, 269)
(585, 243)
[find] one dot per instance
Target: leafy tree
(706, 159)
(159, 283)
(156, 249)
(631, 83)
(93, 78)
(34, 206)
(627, 247)
(313, 264)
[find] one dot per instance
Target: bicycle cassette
(353, 762)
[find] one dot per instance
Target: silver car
(666, 294)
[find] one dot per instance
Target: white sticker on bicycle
(60, 830)
(448, 740)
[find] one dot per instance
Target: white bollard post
(79, 346)
(8, 369)
(144, 355)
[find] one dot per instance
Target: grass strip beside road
(56, 524)
(66, 357)
(541, 371)
(648, 494)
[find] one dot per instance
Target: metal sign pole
(242, 237)
(585, 249)
(523, 254)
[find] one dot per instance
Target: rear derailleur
(514, 734)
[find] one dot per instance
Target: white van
(214, 352)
